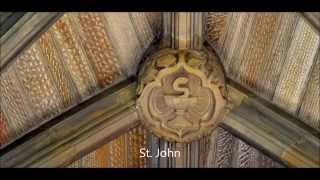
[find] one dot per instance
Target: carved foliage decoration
(181, 94)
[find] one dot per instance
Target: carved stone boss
(181, 94)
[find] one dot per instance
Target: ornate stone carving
(181, 94)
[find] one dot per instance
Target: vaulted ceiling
(275, 55)
(79, 55)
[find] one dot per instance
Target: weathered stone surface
(181, 94)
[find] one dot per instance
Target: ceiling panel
(272, 54)
(220, 150)
(81, 54)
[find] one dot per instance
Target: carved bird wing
(159, 107)
(203, 107)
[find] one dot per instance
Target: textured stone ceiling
(276, 55)
(273, 54)
(220, 150)
(79, 55)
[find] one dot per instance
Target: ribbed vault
(275, 55)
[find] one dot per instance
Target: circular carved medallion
(181, 94)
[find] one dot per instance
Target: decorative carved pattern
(181, 82)
(271, 54)
(253, 46)
(298, 65)
(76, 57)
(235, 41)
(118, 157)
(137, 138)
(121, 152)
(258, 48)
(245, 155)
(311, 101)
(98, 47)
(124, 150)
(221, 152)
(216, 28)
(223, 146)
(276, 58)
(37, 83)
(15, 105)
(61, 79)
(228, 151)
(73, 56)
(182, 94)
(193, 154)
